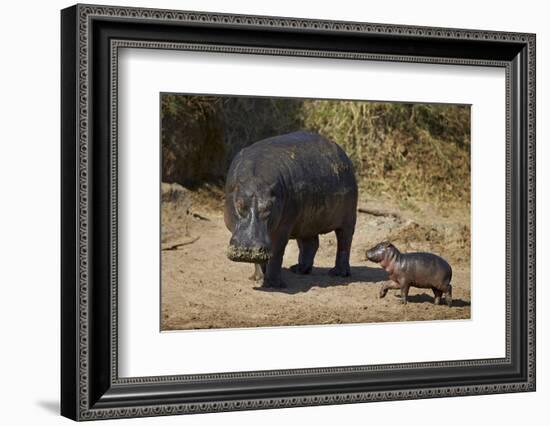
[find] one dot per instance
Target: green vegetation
(411, 151)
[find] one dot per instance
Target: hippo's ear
(232, 189)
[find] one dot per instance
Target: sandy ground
(201, 288)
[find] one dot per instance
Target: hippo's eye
(265, 206)
(264, 209)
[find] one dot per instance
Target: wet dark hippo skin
(293, 186)
(405, 270)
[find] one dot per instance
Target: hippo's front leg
(308, 248)
(259, 270)
(389, 285)
(272, 275)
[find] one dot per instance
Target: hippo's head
(255, 212)
(381, 251)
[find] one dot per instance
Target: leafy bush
(417, 151)
(411, 150)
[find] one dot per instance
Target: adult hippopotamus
(293, 186)
(423, 270)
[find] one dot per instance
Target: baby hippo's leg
(384, 289)
(404, 292)
(437, 296)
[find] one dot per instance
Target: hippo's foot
(301, 269)
(437, 296)
(256, 276)
(340, 271)
(383, 292)
(271, 284)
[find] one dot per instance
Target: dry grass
(406, 151)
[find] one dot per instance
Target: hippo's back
(427, 268)
(316, 176)
(306, 160)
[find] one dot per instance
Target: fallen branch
(178, 245)
(198, 216)
(375, 212)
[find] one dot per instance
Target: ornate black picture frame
(91, 36)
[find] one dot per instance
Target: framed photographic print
(263, 212)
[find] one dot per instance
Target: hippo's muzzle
(250, 241)
(373, 256)
(369, 255)
(248, 254)
(377, 253)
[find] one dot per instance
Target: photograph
(294, 211)
(274, 208)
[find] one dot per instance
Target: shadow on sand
(423, 298)
(320, 277)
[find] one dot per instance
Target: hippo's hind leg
(449, 295)
(437, 296)
(344, 237)
(308, 248)
(404, 291)
(447, 289)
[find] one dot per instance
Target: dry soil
(202, 288)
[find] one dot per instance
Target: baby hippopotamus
(422, 270)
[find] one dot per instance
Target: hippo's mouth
(249, 255)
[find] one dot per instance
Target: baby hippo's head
(381, 251)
